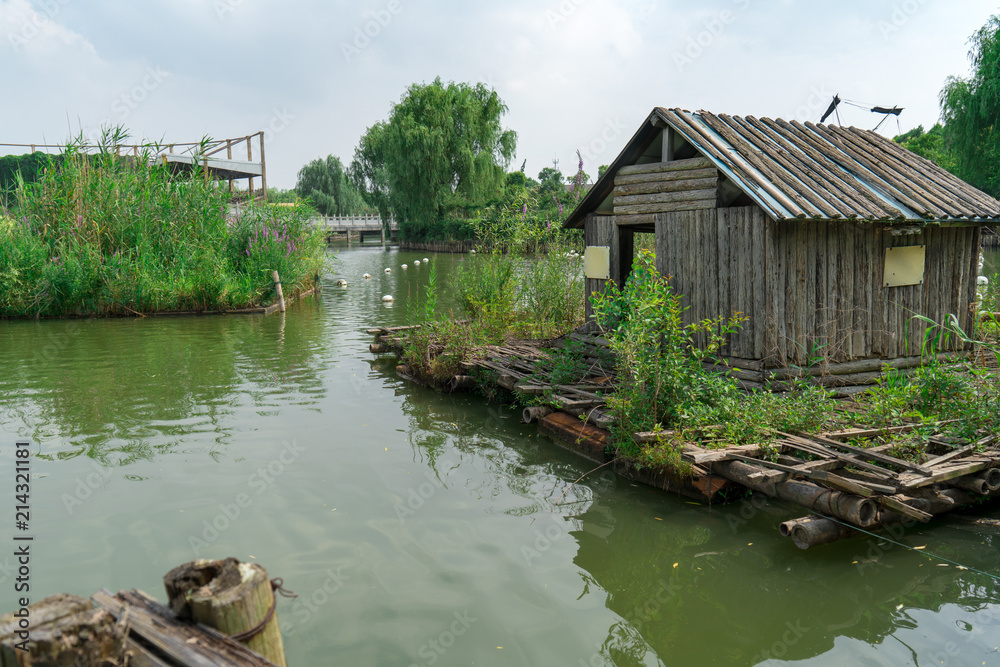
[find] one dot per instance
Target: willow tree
(971, 111)
(329, 187)
(442, 148)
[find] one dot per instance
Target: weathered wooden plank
(657, 187)
(953, 454)
(722, 253)
(665, 197)
(896, 504)
(915, 481)
(665, 207)
(757, 320)
(662, 167)
(875, 456)
(665, 177)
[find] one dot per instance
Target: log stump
(232, 597)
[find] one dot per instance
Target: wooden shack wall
(717, 260)
(811, 289)
(603, 230)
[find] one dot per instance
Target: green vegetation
(441, 154)
(931, 145)
(970, 108)
(28, 168)
(329, 188)
(110, 236)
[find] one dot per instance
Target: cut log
(235, 598)
(983, 483)
(812, 531)
(461, 383)
(534, 413)
(662, 167)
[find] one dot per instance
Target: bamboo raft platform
(843, 486)
(209, 621)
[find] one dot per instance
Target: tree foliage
(971, 109)
(931, 145)
(441, 151)
(330, 188)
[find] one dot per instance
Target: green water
(423, 529)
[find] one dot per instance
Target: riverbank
(100, 235)
(851, 476)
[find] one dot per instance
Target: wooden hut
(834, 241)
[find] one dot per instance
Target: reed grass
(105, 235)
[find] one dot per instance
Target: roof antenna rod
(895, 111)
(832, 108)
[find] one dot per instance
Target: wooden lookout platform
(219, 159)
(841, 479)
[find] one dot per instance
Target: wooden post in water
(277, 289)
(235, 598)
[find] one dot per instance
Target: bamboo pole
(277, 289)
(234, 598)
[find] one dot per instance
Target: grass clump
(103, 235)
(664, 381)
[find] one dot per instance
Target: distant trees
(931, 145)
(441, 153)
(970, 109)
(327, 184)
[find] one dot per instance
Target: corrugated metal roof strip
(829, 172)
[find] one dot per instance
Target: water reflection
(128, 389)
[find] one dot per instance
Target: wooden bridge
(213, 156)
(356, 225)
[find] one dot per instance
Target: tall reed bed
(106, 235)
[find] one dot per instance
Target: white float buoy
(388, 270)
(416, 262)
(366, 276)
(341, 283)
(982, 280)
(387, 298)
(472, 252)
(403, 266)
(426, 260)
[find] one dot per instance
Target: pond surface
(419, 528)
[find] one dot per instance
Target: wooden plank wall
(717, 261)
(601, 230)
(828, 283)
(813, 290)
(677, 185)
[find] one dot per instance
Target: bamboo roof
(810, 171)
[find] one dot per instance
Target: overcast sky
(575, 74)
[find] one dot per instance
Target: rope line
(276, 586)
(906, 546)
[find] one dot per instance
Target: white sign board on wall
(904, 266)
(597, 262)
